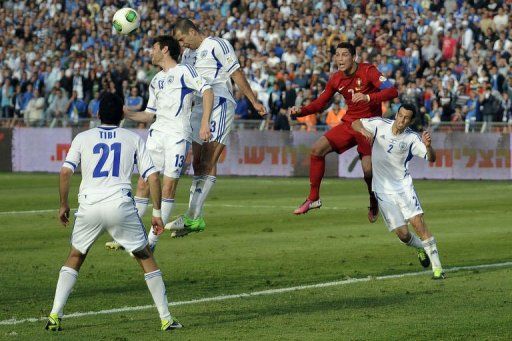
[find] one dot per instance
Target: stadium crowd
(452, 59)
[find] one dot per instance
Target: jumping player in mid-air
(363, 88)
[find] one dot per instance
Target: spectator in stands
(34, 113)
(335, 114)
(134, 102)
(76, 108)
(57, 108)
(7, 99)
(242, 106)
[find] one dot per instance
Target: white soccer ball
(126, 20)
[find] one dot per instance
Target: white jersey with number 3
(107, 155)
(215, 61)
(391, 155)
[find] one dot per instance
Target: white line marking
(56, 210)
(14, 321)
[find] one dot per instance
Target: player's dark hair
(184, 25)
(347, 46)
(172, 45)
(111, 108)
(410, 107)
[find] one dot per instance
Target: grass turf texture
(253, 242)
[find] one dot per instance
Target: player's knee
(142, 254)
(197, 167)
(403, 235)
(142, 187)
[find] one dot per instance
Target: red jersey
(367, 80)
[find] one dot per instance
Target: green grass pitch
(253, 243)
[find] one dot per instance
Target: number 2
(104, 150)
(390, 147)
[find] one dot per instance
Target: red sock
(316, 173)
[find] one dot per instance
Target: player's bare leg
(429, 244)
(373, 210)
(412, 240)
(156, 286)
(67, 279)
(320, 149)
(141, 203)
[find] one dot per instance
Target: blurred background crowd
(452, 59)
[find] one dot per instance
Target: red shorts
(342, 137)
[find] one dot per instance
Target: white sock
(156, 287)
(209, 181)
(431, 249)
(66, 282)
(141, 204)
(195, 181)
(167, 205)
(415, 242)
(193, 204)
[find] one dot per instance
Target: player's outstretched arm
(65, 178)
(204, 132)
(358, 126)
(240, 80)
(138, 116)
(156, 197)
(427, 140)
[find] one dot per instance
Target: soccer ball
(126, 20)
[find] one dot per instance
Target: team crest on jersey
(170, 79)
(402, 146)
(203, 54)
(359, 84)
(229, 59)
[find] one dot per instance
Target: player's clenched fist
(294, 111)
(426, 138)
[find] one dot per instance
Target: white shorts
(118, 217)
(398, 208)
(167, 152)
(221, 120)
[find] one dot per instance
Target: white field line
(14, 321)
(56, 210)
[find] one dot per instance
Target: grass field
(253, 243)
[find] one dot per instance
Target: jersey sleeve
(151, 106)
(371, 124)
(225, 54)
(144, 162)
(193, 80)
(74, 154)
(386, 89)
(321, 102)
(418, 148)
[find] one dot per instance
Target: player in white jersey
(107, 155)
(170, 96)
(216, 61)
(394, 145)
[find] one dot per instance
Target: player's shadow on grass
(245, 311)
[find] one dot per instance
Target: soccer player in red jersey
(364, 88)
